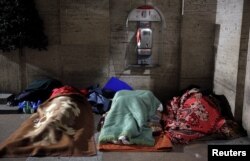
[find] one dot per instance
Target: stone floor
(10, 120)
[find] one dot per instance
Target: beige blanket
(62, 126)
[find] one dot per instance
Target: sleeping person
(129, 118)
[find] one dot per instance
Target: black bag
(37, 90)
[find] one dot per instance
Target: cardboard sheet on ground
(162, 143)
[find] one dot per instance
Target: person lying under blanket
(194, 115)
(62, 126)
(129, 119)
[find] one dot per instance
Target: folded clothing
(100, 104)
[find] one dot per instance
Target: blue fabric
(28, 106)
(116, 84)
(98, 101)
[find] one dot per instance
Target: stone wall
(197, 43)
(9, 72)
(244, 47)
(229, 18)
(162, 80)
(246, 103)
(78, 51)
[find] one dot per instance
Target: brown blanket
(62, 126)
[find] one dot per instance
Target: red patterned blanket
(194, 115)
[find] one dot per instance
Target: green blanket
(128, 116)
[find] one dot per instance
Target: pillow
(114, 84)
